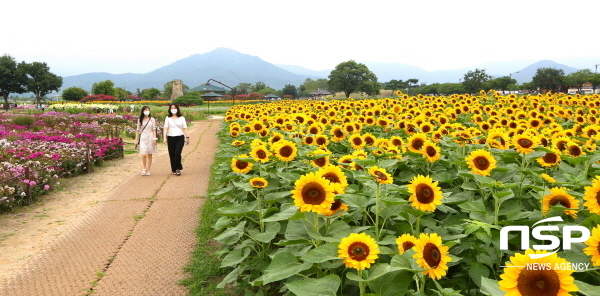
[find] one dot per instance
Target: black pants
(175, 145)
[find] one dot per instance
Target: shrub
(23, 121)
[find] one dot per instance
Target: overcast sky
(75, 37)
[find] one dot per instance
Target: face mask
(174, 111)
(146, 113)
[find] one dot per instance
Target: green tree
(289, 89)
(394, 85)
(150, 93)
(501, 83)
(39, 80)
(105, 87)
(191, 98)
(595, 81)
(74, 93)
(474, 81)
(258, 86)
(12, 78)
(121, 93)
(350, 76)
(578, 79)
(548, 79)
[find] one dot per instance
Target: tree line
(19, 78)
(544, 80)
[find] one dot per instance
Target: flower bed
(410, 196)
(36, 150)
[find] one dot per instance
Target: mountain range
(231, 68)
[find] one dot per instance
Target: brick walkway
(137, 241)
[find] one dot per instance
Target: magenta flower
(46, 187)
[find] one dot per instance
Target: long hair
(142, 114)
(171, 114)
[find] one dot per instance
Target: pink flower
(46, 187)
(32, 183)
(26, 181)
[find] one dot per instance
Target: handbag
(140, 138)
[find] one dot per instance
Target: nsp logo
(537, 234)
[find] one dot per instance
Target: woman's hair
(171, 114)
(142, 113)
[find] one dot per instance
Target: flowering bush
(33, 157)
(408, 196)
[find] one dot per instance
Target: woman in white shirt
(175, 135)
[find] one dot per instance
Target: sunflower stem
(377, 230)
(422, 287)
(523, 167)
(361, 285)
(418, 228)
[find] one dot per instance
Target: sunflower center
(538, 282)
(313, 130)
(481, 163)
(320, 161)
(550, 158)
(258, 183)
(396, 142)
(285, 151)
(357, 141)
(432, 255)
(574, 150)
(380, 175)
(525, 143)
(369, 140)
(417, 144)
(358, 251)
(320, 141)
(336, 205)
(241, 164)
(598, 201)
(333, 178)
(407, 245)
(562, 200)
(430, 151)
(424, 193)
(257, 127)
(313, 193)
(261, 154)
(561, 145)
(338, 133)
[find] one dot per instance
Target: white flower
(23, 194)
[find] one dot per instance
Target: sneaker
(143, 172)
(178, 173)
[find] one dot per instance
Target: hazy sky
(75, 37)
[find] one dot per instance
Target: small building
(319, 93)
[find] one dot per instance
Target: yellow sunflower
(405, 243)
(313, 194)
(334, 174)
(525, 143)
(320, 161)
(380, 174)
(518, 280)
(338, 134)
(432, 255)
(593, 246)
(416, 141)
(260, 153)
(356, 141)
(321, 141)
(550, 158)
(285, 150)
(573, 149)
(258, 182)
(240, 166)
(548, 178)
(559, 195)
(592, 196)
(425, 194)
(430, 151)
(481, 162)
(275, 138)
(358, 250)
(238, 143)
(336, 206)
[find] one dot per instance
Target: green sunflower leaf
(490, 287)
(283, 266)
(325, 286)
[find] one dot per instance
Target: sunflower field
(409, 195)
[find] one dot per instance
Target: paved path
(137, 242)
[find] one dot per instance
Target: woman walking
(145, 137)
(175, 135)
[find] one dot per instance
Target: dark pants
(175, 145)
